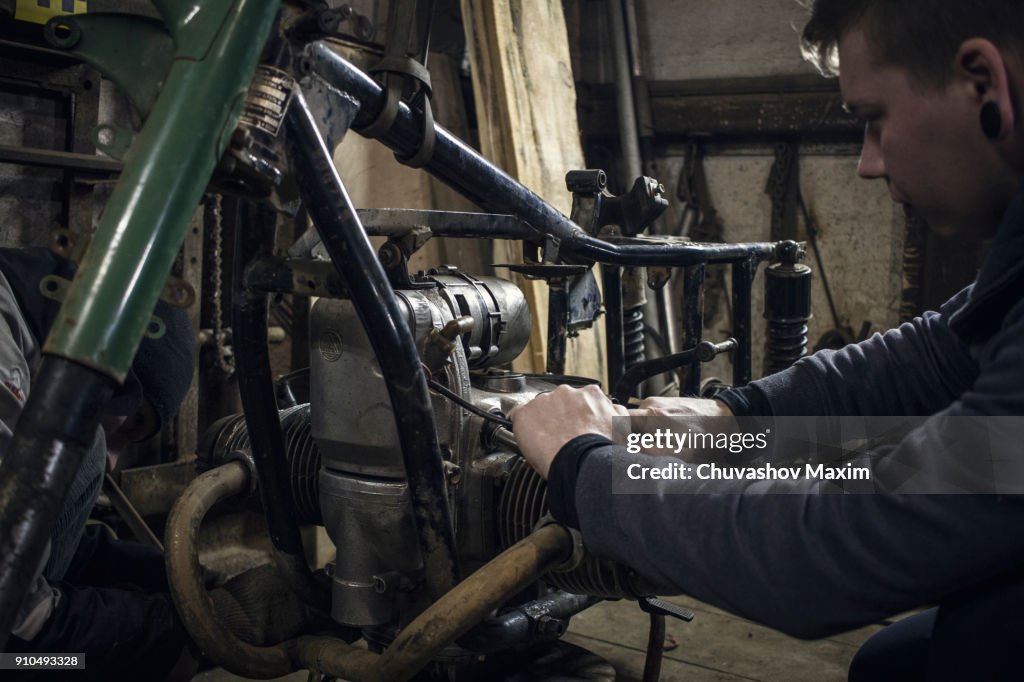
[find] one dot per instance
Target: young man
(939, 85)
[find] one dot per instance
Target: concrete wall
(860, 236)
(861, 231)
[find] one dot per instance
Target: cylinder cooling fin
(229, 435)
(523, 503)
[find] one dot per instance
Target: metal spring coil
(523, 503)
(301, 452)
(786, 343)
(634, 345)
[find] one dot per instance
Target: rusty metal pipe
(473, 599)
(443, 622)
(184, 575)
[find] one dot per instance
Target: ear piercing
(991, 120)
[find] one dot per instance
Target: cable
(465, 404)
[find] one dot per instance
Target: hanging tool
(701, 223)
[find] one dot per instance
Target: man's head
(920, 73)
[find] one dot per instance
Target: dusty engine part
(364, 497)
(523, 504)
(347, 438)
(228, 439)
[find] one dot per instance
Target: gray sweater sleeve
(811, 564)
(803, 563)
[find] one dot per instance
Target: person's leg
(41, 598)
(980, 634)
(899, 652)
(124, 634)
(101, 560)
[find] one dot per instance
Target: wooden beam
(526, 110)
(740, 108)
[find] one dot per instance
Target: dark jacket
(811, 564)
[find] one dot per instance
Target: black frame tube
(353, 256)
(631, 378)
(615, 342)
(558, 329)
(473, 176)
(54, 434)
(693, 324)
(249, 311)
(742, 304)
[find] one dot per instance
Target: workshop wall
(745, 48)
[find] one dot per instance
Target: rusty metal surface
(184, 575)
(466, 604)
(153, 490)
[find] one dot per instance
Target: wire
(465, 404)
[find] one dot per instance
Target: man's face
(926, 143)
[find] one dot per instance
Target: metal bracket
(112, 140)
(594, 207)
(55, 288)
(133, 51)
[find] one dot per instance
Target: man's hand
(681, 407)
(549, 421)
(650, 414)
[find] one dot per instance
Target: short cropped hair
(921, 36)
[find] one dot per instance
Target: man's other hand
(549, 421)
(681, 407)
(650, 413)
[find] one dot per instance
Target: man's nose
(871, 165)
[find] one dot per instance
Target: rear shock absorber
(634, 345)
(787, 308)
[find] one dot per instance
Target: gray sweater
(811, 564)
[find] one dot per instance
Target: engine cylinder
(230, 434)
(523, 504)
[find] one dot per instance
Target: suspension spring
(633, 336)
(787, 308)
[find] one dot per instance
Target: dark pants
(978, 635)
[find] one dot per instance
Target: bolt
(453, 472)
(389, 255)
(546, 625)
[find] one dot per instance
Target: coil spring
(787, 308)
(524, 501)
(301, 452)
(786, 343)
(634, 345)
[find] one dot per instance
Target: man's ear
(981, 64)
